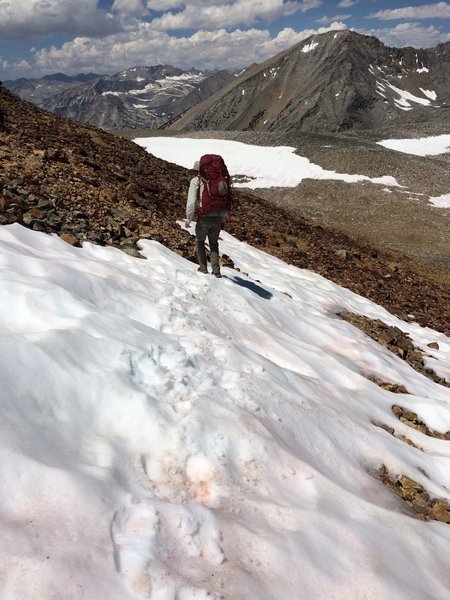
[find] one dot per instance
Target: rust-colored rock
(440, 511)
(415, 497)
(69, 238)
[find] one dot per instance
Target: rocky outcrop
(84, 184)
(397, 341)
(331, 82)
(416, 498)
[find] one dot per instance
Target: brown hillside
(82, 183)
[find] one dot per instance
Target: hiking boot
(217, 275)
(202, 270)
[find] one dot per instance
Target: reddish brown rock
(69, 238)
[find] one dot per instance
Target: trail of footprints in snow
(167, 523)
(170, 521)
(147, 536)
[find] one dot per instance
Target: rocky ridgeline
(84, 184)
(37, 196)
(145, 97)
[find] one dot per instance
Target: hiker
(209, 197)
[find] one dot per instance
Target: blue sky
(38, 37)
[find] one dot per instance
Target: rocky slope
(85, 184)
(332, 82)
(137, 97)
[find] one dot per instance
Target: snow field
(429, 146)
(265, 166)
(442, 201)
(268, 166)
(171, 436)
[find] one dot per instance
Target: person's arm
(192, 200)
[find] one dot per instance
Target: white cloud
(324, 20)
(203, 14)
(440, 10)
(260, 6)
(163, 5)
(4, 64)
(24, 19)
(204, 49)
(132, 30)
(135, 8)
(22, 67)
(308, 4)
(347, 3)
(409, 34)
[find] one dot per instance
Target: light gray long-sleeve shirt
(194, 200)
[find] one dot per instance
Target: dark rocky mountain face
(144, 97)
(332, 82)
(84, 184)
(38, 90)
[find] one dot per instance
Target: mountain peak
(334, 81)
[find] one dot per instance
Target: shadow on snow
(254, 287)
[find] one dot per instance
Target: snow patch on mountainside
(402, 98)
(427, 146)
(309, 47)
(441, 201)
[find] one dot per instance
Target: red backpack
(216, 194)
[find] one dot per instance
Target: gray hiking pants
(208, 226)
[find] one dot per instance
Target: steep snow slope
(167, 435)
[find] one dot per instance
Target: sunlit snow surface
(171, 436)
(263, 166)
(441, 201)
(427, 146)
(308, 47)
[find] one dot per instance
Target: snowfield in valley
(267, 166)
(260, 166)
(429, 146)
(169, 436)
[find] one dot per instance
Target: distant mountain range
(145, 97)
(332, 82)
(38, 90)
